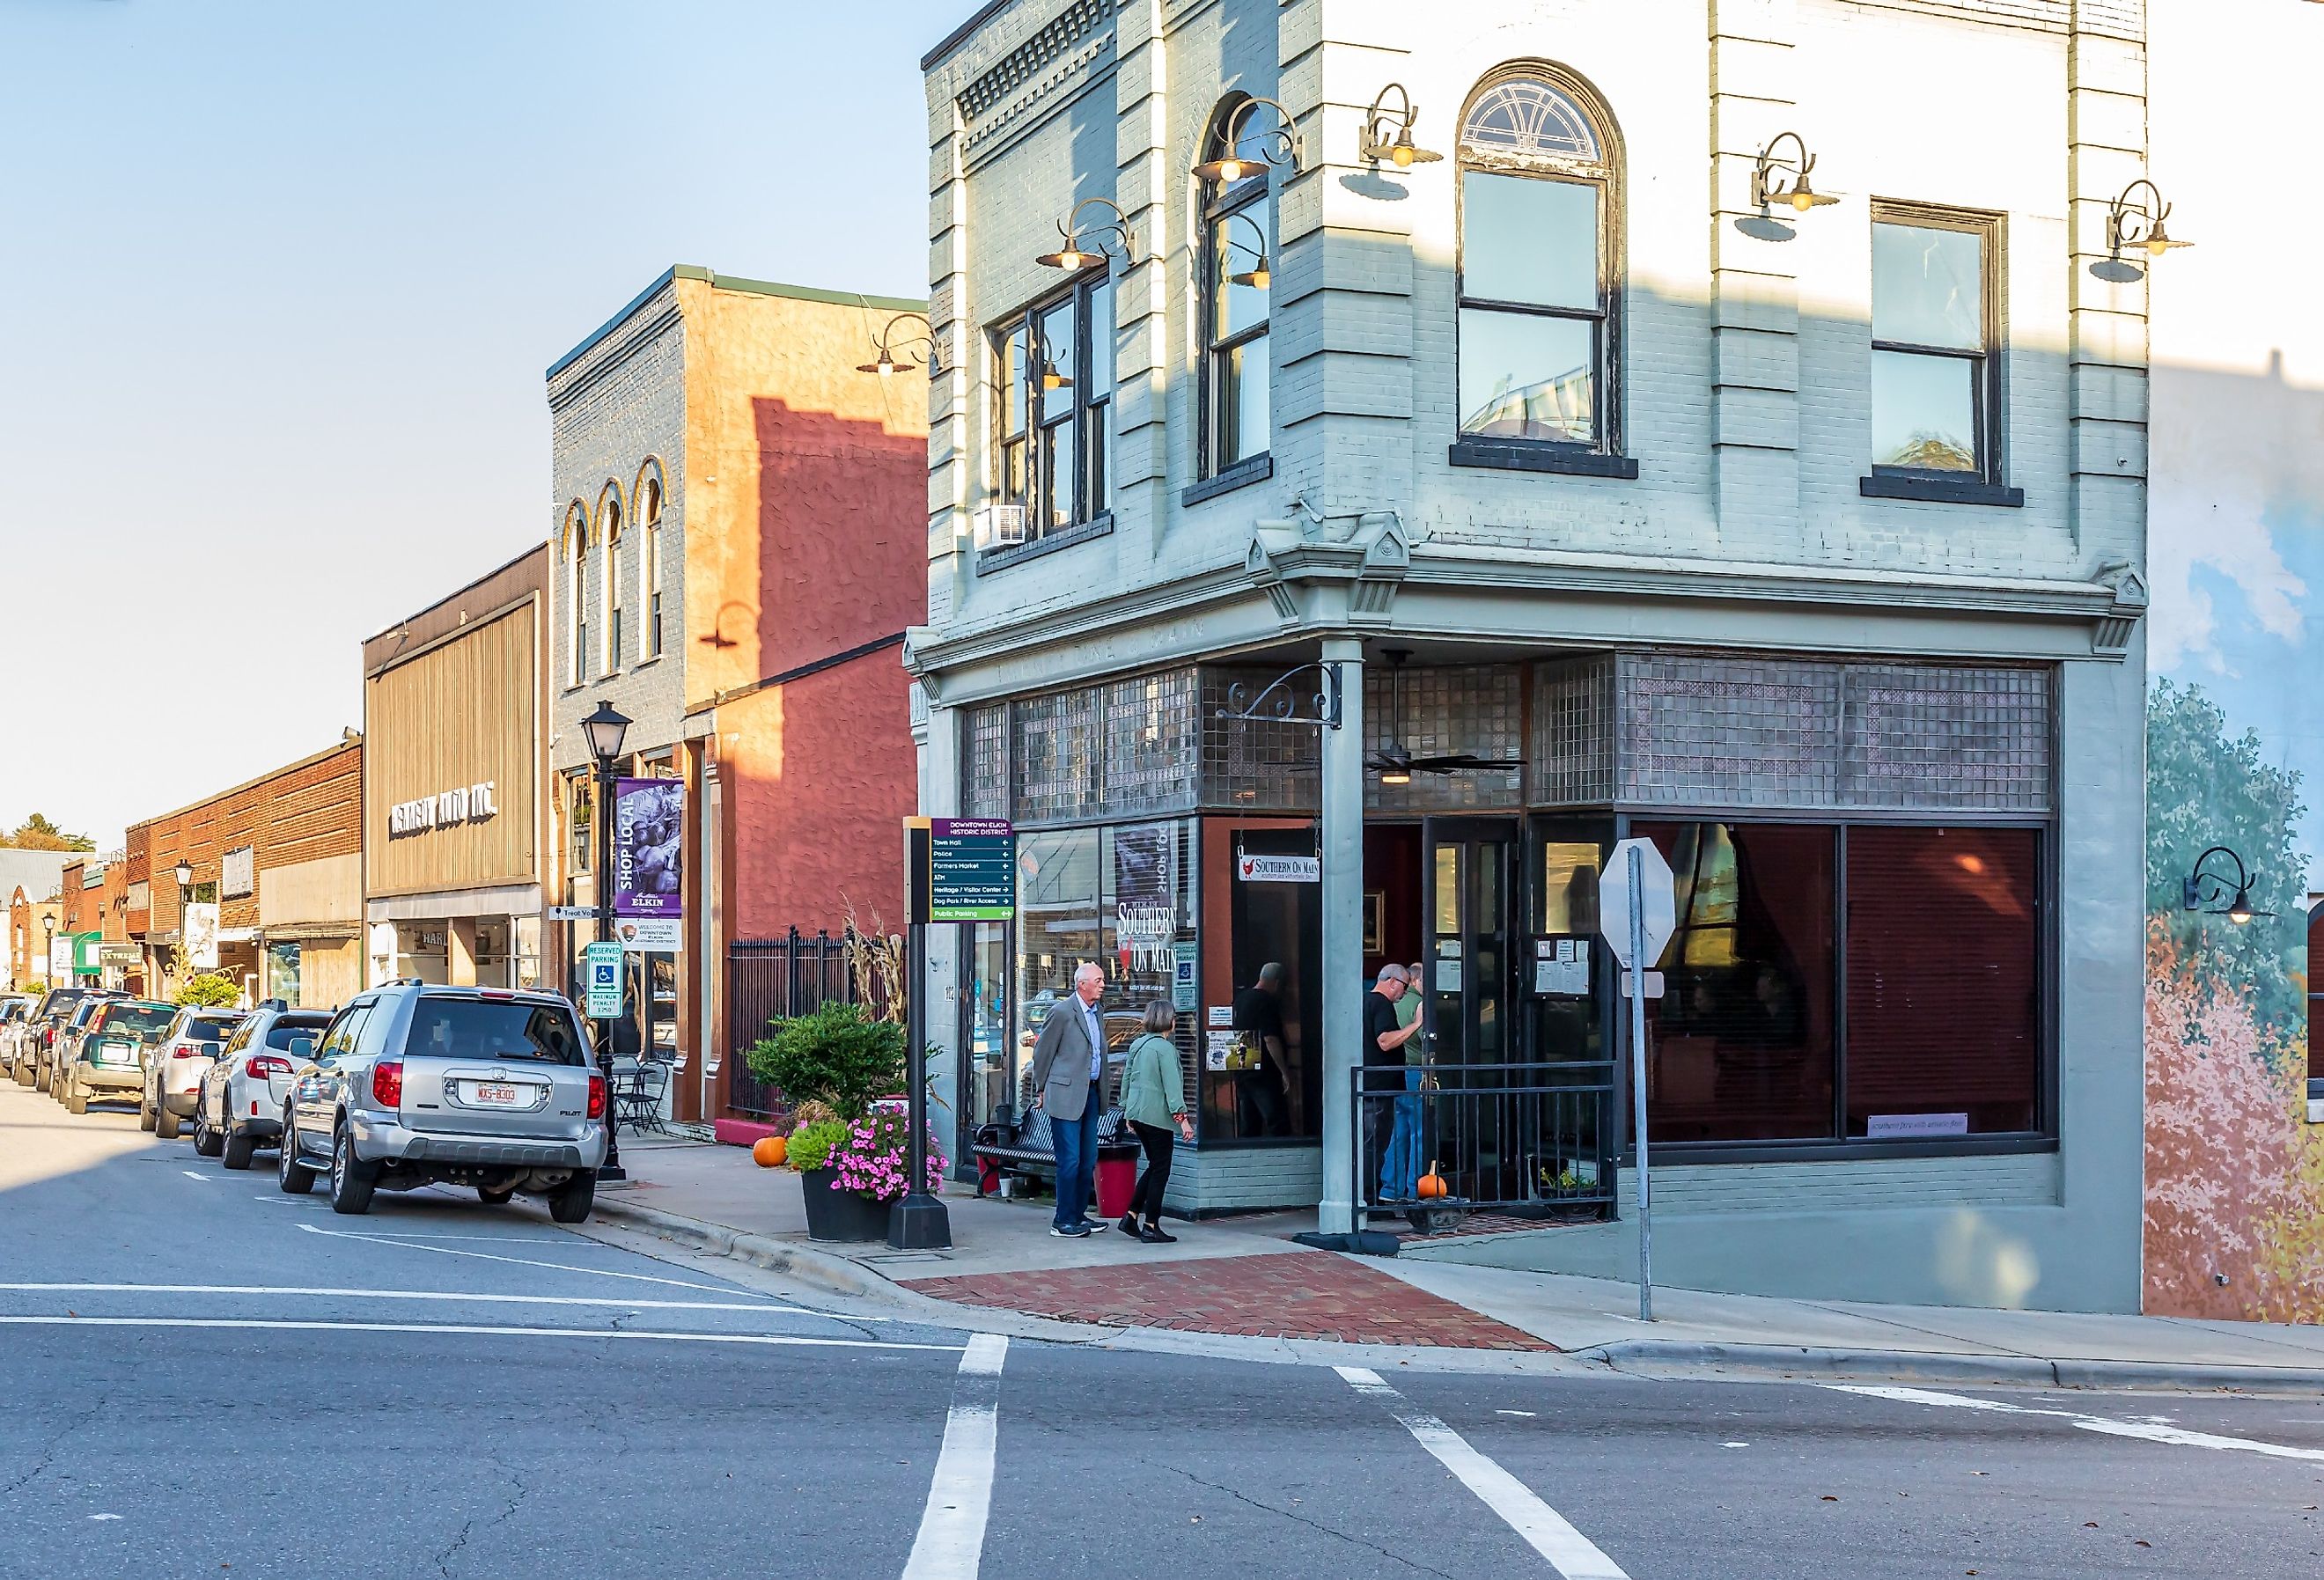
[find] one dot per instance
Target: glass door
(1471, 878)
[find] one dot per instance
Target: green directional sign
(962, 869)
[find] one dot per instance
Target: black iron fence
(1530, 1139)
(774, 979)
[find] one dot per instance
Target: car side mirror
(300, 1048)
(211, 1049)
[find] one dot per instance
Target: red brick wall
(311, 809)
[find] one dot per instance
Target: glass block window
(1472, 710)
(1939, 738)
(1574, 731)
(1712, 732)
(1256, 764)
(984, 761)
(1151, 744)
(1058, 741)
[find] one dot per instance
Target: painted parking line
(1572, 1554)
(2150, 1431)
(515, 1261)
(191, 1174)
(480, 1330)
(950, 1545)
(452, 1295)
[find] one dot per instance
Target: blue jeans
(1075, 1141)
(1400, 1170)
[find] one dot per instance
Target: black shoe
(1128, 1224)
(1152, 1236)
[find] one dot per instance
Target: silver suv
(415, 1084)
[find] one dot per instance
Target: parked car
(238, 1104)
(15, 1011)
(415, 1084)
(174, 1066)
(105, 1061)
(59, 1035)
(47, 1019)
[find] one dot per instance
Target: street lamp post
(185, 876)
(603, 730)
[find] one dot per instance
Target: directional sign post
(1636, 914)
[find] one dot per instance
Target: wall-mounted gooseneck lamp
(1074, 256)
(1278, 145)
(1783, 178)
(2136, 220)
(1258, 276)
(2210, 892)
(1387, 133)
(893, 352)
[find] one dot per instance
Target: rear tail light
(596, 1096)
(261, 1065)
(184, 1050)
(387, 1083)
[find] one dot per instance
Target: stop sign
(1657, 902)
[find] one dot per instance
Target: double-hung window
(1936, 362)
(610, 534)
(649, 576)
(1237, 268)
(1053, 376)
(577, 587)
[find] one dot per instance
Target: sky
(278, 282)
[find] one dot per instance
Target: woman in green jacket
(1153, 1100)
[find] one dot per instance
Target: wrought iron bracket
(1279, 701)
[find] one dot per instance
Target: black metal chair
(637, 1099)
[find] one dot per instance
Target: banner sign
(84, 955)
(61, 960)
(199, 934)
(1146, 897)
(649, 825)
(237, 873)
(1279, 869)
(646, 934)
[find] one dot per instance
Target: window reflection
(1932, 347)
(1526, 377)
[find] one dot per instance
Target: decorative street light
(603, 730)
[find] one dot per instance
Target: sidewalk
(1243, 1278)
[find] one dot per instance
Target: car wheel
(294, 1177)
(495, 1198)
(41, 1080)
(76, 1100)
(206, 1142)
(235, 1153)
(165, 1123)
(147, 1117)
(570, 1202)
(350, 1178)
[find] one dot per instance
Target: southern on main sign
(1658, 902)
(960, 869)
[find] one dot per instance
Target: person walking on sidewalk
(1069, 1076)
(1154, 1101)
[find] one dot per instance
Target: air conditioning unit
(999, 526)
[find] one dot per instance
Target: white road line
(2147, 1431)
(518, 1260)
(190, 1174)
(777, 1340)
(414, 1237)
(951, 1542)
(1544, 1530)
(452, 1295)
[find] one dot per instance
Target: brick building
(1448, 518)
(279, 857)
(32, 926)
(738, 552)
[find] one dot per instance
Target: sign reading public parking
(961, 869)
(1657, 903)
(601, 964)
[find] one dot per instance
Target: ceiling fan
(1394, 764)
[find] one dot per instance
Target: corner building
(1449, 521)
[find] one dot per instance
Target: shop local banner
(649, 825)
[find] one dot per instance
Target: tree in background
(208, 991)
(37, 832)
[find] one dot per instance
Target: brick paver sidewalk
(1306, 1294)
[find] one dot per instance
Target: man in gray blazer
(1068, 1084)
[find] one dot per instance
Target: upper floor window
(609, 534)
(649, 575)
(1237, 266)
(1936, 361)
(577, 590)
(1053, 381)
(1540, 272)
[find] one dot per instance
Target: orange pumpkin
(769, 1151)
(1431, 1186)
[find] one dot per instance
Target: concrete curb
(838, 1274)
(1923, 1365)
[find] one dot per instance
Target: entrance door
(1470, 878)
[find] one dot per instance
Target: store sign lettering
(468, 804)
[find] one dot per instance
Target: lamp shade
(185, 875)
(605, 729)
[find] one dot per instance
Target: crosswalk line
(950, 1545)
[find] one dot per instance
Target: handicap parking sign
(602, 964)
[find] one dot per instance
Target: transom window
(1936, 360)
(1053, 370)
(1539, 272)
(1238, 250)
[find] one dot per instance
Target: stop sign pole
(1649, 898)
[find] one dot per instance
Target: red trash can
(1117, 1182)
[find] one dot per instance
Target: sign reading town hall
(468, 804)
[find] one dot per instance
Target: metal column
(1341, 844)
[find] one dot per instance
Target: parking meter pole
(611, 1169)
(1639, 963)
(920, 1221)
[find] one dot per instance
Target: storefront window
(283, 973)
(1247, 1092)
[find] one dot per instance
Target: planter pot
(840, 1215)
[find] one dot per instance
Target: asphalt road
(446, 1388)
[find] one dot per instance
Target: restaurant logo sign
(473, 803)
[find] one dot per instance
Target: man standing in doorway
(1261, 1103)
(1384, 1038)
(1069, 1076)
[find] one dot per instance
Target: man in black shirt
(1384, 1041)
(1259, 1092)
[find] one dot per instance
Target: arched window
(1237, 251)
(649, 498)
(1540, 266)
(577, 591)
(609, 535)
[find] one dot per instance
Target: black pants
(1161, 1142)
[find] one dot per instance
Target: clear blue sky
(278, 283)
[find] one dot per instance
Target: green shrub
(208, 991)
(836, 1056)
(811, 1143)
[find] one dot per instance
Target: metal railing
(769, 980)
(1528, 1140)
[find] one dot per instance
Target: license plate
(499, 1095)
